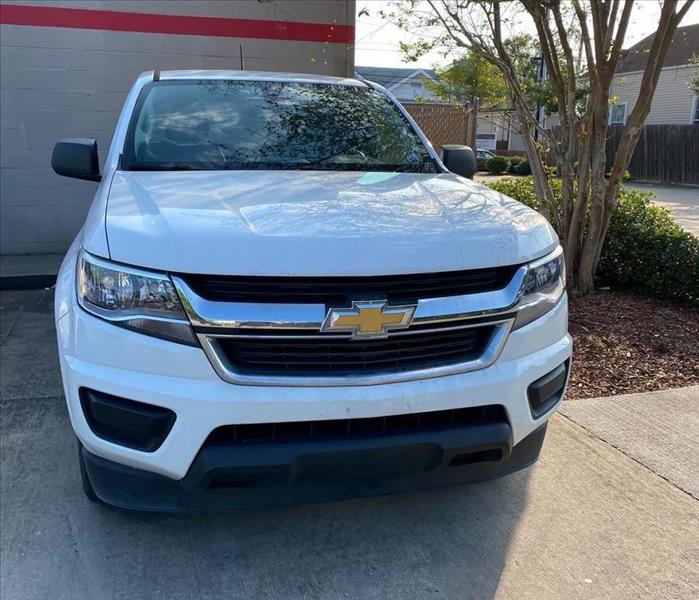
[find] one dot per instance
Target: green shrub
(496, 165)
(523, 168)
(522, 189)
(514, 161)
(645, 249)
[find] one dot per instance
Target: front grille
(339, 355)
(347, 429)
(339, 291)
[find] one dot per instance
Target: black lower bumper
(297, 473)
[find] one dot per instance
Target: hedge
(497, 164)
(514, 162)
(645, 249)
(523, 168)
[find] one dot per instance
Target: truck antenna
(242, 66)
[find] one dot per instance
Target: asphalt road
(595, 518)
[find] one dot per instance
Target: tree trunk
(541, 182)
(588, 199)
(577, 220)
(584, 281)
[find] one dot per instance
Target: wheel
(87, 486)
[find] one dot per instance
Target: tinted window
(218, 124)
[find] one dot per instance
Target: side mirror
(459, 159)
(76, 157)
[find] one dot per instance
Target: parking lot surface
(593, 519)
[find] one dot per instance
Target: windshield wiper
(160, 166)
(265, 166)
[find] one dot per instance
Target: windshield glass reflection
(218, 124)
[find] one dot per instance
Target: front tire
(87, 486)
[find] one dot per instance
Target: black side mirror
(76, 157)
(459, 159)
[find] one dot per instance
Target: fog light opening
(548, 390)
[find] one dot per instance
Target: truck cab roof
(234, 75)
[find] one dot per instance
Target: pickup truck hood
(316, 223)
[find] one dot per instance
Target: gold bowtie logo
(370, 319)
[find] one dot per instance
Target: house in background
(497, 130)
(674, 103)
(407, 85)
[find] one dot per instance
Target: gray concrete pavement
(681, 201)
(658, 429)
(588, 521)
(28, 271)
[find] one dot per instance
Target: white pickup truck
(281, 294)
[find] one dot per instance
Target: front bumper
(288, 474)
(97, 355)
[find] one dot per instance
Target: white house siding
(413, 91)
(673, 99)
(504, 126)
(494, 122)
(70, 82)
(672, 103)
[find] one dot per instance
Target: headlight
(139, 300)
(542, 287)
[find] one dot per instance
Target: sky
(377, 41)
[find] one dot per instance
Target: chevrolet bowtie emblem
(368, 319)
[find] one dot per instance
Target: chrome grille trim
(227, 373)
(345, 336)
(247, 315)
(213, 320)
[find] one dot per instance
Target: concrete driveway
(681, 201)
(602, 515)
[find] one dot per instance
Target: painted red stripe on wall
(109, 20)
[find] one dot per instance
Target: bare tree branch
(620, 34)
(585, 36)
(581, 212)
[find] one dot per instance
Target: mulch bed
(626, 343)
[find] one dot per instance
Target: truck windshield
(240, 124)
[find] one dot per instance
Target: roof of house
(389, 76)
(685, 42)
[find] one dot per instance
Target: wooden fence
(664, 153)
(443, 123)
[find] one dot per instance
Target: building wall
(673, 100)
(71, 81)
(494, 122)
(411, 91)
(672, 104)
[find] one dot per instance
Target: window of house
(695, 111)
(617, 113)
